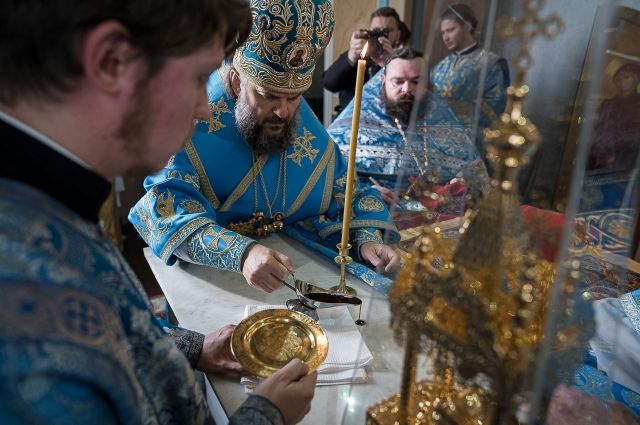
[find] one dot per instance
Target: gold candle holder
(343, 259)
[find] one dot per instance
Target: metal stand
(343, 259)
(296, 305)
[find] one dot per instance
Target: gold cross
(217, 109)
(302, 148)
(524, 29)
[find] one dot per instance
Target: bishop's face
(267, 120)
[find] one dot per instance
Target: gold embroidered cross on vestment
(302, 148)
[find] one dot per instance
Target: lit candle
(353, 142)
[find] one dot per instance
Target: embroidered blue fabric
(78, 340)
(207, 193)
(437, 145)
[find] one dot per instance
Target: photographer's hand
(355, 47)
(387, 48)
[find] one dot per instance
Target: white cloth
(348, 354)
(616, 344)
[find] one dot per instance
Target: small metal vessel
(312, 297)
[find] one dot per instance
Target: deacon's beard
(400, 108)
(134, 130)
(253, 132)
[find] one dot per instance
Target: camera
(375, 49)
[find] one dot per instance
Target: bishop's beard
(400, 108)
(253, 132)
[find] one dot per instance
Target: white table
(204, 299)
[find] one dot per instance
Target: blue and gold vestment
(438, 136)
(207, 194)
(457, 79)
(77, 331)
(79, 343)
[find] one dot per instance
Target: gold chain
(423, 170)
(282, 170)
(257, 225)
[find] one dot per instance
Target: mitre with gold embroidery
(286, 39)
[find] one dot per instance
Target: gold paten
(267, 340)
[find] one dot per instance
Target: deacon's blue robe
(199, 201)
(438, 136)
(457, 79)
(79, 343)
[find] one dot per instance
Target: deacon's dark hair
(406, 53)
(461, 13)
(386, 12)
(39, 38)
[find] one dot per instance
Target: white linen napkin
(348, 354)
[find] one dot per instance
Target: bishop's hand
(383, 257)
(265, 268)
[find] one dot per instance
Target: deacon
(88, 91)
(262, 163)
(457, 77)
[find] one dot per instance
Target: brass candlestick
(343, 259)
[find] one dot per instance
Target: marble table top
(204, 299)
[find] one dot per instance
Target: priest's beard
(253, 132)
(400, 108)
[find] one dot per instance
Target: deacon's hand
(383, 258)
(265, 268)
(216, 355)
(355, 47)
(291, 390)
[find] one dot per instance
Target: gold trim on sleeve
(378, 224)
(181, 235)
(205, 184)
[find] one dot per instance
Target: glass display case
(516, 192)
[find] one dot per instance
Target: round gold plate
(267, 340)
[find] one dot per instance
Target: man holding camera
(383, 36)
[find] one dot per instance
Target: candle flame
(363, 54)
